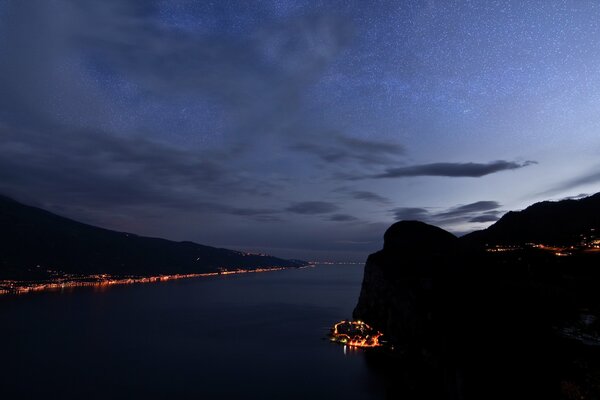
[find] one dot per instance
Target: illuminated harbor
(355, 334)
(106, 280)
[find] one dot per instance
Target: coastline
(15, 287)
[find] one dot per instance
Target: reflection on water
(248, 336)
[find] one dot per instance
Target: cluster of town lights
(355, 334)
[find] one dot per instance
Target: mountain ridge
(37, 243)
(554, 222)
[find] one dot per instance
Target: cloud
(589, 178)
(362, 195)
(480, 211)
(369, 196)
(490, 216)
(335, 148)
(312, 207)
(112, 65)
(96, 169)
(467, 209)
(576, 197)
(342, 218)
(78, 109)
(454, 170)
(94, 91)
(411, 213)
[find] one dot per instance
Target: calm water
(253, 336)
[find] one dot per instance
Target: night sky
(302, 128)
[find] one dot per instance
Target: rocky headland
(480, 317)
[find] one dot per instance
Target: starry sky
(298, 128)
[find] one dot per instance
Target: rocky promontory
(402, 282)
(479, 321)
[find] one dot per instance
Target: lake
(250, 336)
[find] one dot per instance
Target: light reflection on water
(249, 336)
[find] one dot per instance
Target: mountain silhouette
(551, 222)
(469, 318)
(36, 242)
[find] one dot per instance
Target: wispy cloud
(342, 218)
(364, 195)
(411, 213)
(335, 148)
(589, 178)
(312, 207)
(478, 212)
(490, 216)
(80, 93)
(369, 196)
(90, 168)
(459, 211)
(576, 197)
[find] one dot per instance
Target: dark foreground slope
(34, 241)
(470, 323)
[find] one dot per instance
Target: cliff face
(470, 324)
(402, 283)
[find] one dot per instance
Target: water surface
(251, 336)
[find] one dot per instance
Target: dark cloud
(369, 196)
(342, 218)
(480, 211)
(467, 209)
(335, 148)
(312, 207)
(490, 216)
(411, 213)
(470, 170)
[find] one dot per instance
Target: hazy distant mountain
(548, 222)
(33, 241)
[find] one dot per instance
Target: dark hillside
(34, 241)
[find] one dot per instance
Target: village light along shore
(105, 280)
(355, 334)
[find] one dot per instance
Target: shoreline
(15, 287)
